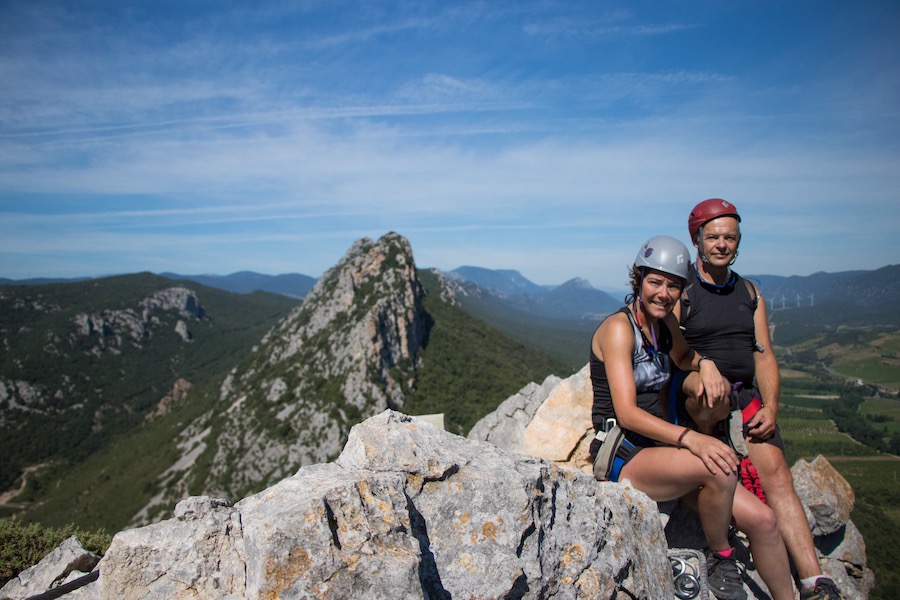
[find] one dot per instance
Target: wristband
(681, 437)
(702, 358)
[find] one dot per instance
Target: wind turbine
(812, 299)
(782, 301)
(798, 300)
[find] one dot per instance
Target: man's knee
(696, 406)
(774, 473)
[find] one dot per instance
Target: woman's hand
(715, 454)
(714, 388)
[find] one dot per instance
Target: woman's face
(659, 293)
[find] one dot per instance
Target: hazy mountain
(574, 299)
(504, 281)
(40, 280)
(863, 289)
(295, 285)
(560, 321)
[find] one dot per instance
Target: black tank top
(651, 372)
(719, 325)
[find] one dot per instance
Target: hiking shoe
(724, 577)
(825, 589)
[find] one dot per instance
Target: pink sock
(725, 553)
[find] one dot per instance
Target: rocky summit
(408, 510)
(347, 352)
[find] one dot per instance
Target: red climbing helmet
(708, 210)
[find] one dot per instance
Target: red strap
(751, 409)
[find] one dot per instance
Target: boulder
(68, 561)
(407, 511)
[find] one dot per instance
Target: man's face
(719, 241)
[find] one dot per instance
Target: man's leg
(778, 484)
(706, 418)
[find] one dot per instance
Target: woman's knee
(761, 525)
(720, 481)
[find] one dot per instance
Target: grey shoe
(724, 577)
(825, 589)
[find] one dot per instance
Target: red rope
(750, 479)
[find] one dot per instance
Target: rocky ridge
(406, 511)
(347, 352)
(95, 333)
(411, 511)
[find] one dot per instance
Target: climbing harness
(614, 450)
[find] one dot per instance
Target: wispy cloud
(528, 135)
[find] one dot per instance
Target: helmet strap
(637, 307)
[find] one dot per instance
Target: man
(724, 319)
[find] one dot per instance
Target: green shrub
(24, 545)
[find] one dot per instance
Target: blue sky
(548, 137)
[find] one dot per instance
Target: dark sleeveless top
(718, 323)
(651, 372)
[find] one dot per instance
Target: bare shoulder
(613, 332)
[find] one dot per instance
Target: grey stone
(69, 557)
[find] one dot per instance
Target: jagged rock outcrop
(110, 328)
(406, 511)
(410, 511)
(553, 421)
(347, 352)
(67, 562)
(95, 333)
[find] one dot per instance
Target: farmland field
(874, 476)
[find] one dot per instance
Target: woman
(631, 355)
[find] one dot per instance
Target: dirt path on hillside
(8, 495)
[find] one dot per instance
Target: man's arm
(768, 378)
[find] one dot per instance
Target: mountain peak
(347, 352)
(505, 281)
(577, 283)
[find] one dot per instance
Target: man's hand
(762, 425)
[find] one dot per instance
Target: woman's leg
(769, 554)
(666, 473)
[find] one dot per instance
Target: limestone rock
(553, 421)
(407, 511)
(826, 496)
(199, 554)
(70, 557)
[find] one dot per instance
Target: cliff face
(349, 351)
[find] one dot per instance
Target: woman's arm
(614, 344)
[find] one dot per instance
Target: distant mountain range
(295, 285)
(576, 299)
